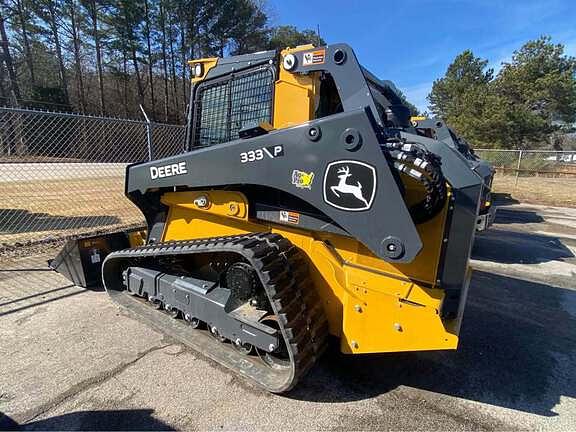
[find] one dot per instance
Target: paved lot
(70, 359)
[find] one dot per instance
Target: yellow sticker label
(302, 179)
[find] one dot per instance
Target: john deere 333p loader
(305, 206)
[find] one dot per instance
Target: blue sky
(412, 43)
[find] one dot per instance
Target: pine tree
(524, 106)
(49, 12)
(92, 9)
(289, 36)
(7, 58)
(539, 86)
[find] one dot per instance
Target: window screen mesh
(225, 107)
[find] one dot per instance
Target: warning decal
(290, 217)
(313, 57)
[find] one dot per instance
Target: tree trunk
(77, 59)
(125, 79)
(164, 60)
(3, 92)
(96, 35)
(173, 70)
(149, 44)
(192, 19)
(117, 83)
(137, 73)
(14, 89)
(56, 37)
(4, 144)
(25, 40)
(132, 46)
(184, 65)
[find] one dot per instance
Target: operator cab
(232, 93)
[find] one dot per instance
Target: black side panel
(271, 160)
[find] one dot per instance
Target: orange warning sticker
(313, 57)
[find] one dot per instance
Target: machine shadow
(513, 247)
(16, 221)
(108, 420)
(501, 199)
(43, 302)
(506, 216)
(35, 295)
(517, 350)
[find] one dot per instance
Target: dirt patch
(538, 190)
(44, 210)
(47, 209)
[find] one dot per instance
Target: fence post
(149, 127)
(518, 168)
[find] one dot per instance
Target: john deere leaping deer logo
(345, 188)
(349, 185)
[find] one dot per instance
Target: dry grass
(43, 209)
(39, 210)
(559, 192)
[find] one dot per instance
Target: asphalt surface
(70, 359)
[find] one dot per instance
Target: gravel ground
(73, 360)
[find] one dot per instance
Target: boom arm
(386, 222)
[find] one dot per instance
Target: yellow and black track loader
(306, 206)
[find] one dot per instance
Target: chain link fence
(62, 175)
(540, 176)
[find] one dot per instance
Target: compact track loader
(306, 205)
(437, 129)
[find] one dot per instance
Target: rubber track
(282, 270)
